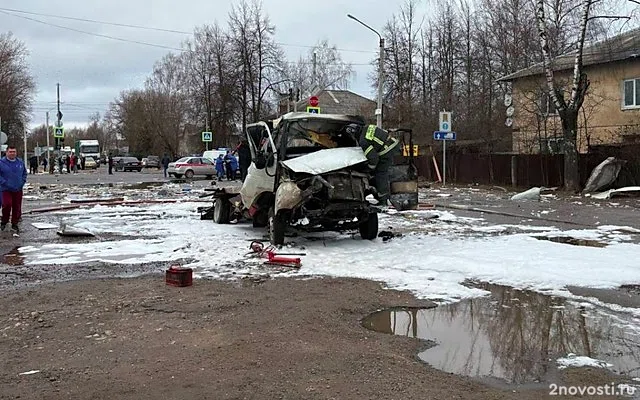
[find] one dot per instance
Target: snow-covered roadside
(433, 258)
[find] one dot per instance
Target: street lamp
(47, 130)
(380, 70)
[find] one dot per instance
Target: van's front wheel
(221, 210)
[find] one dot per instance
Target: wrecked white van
(308, 172)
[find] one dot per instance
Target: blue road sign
(207, 136)
(438, 135)
(58, 132)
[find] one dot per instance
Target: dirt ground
(137, 338)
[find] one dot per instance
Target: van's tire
(277, 227)
(260, 219)
(188, 174)
(369, 227)
(221, 210)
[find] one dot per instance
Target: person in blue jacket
(220, 167)
(13, 176)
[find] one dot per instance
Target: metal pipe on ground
(507, 214)
(109, 203)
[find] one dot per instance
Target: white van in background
(214, 154)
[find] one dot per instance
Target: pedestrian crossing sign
(58, 132)
(207, 136)
(313, 110)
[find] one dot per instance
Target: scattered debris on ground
(625, 191)
(73, 231)
(603, 175)
(388, 235)
(532, 194)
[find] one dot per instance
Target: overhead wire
(12, 12)
(146, 43)
(150, 28)
(92, 33)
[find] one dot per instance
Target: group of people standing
(70, 163)
(227, 166)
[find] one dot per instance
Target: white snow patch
(433, 266)
(574, 361)
(614, 228)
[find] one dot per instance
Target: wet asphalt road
(558, 209)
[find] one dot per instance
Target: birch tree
(568, 108)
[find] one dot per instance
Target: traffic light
(290, 94)
(297, 94)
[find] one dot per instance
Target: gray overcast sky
(93, 70)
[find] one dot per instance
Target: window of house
(631, 93)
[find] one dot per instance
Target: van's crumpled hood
(327, 160)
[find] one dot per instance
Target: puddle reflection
(513, 335)
(14, 257)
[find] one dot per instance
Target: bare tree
(259, 58)
(210, 81)
(321, 68)
(17, 86)
(569, 108)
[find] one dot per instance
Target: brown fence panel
(531, 169)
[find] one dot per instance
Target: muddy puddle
(14, 257)
(514, 336)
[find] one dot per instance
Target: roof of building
(339, 102)
(617, 48)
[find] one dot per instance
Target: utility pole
(206, 129)
(58, 116)
(380, 71)
(48, 145)
(315, 70)
(25, 143)
(380, 84)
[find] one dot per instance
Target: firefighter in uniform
(379, 148)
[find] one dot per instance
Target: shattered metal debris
(531, 194)
(603, 175)
(388, 235)
(73, 231)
